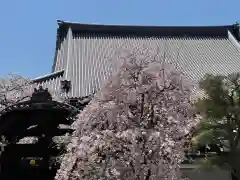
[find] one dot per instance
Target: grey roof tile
(85, 51)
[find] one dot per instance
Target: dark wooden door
(17, 163)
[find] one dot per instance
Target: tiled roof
(48, 77)
(85, 51)
(51, 81)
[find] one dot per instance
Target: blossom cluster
(134, 127)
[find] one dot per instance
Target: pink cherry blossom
(133, 128)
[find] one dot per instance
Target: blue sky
(28, 27)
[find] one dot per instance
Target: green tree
(220, 125)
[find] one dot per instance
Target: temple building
(86, 54)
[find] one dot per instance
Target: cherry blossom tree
(13, 89)
(134, 127)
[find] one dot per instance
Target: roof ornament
(41, 94)
(65, 86)
(59, 22)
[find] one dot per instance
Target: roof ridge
(59, 22)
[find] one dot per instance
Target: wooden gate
(24, 161)
(40, 118)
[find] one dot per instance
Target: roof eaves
(60, 22)
(48, 76)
